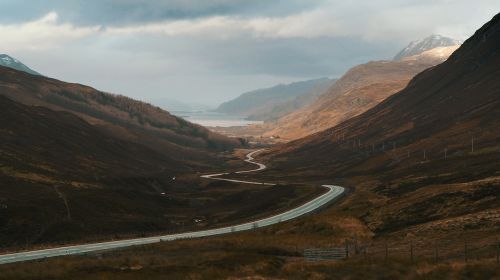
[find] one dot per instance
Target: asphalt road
(333, 192)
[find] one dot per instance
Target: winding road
(332, 193)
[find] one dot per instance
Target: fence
(408, 149)
(317, 254)
(412, 251)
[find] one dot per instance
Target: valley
(388, 169)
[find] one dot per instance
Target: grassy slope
(64, 180)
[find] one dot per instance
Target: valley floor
(417, 234)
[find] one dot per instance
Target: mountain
(289, 106)
(13, 63)
(78, 164)
(62, 179)
(127, 118)
(358, 90)
(425, 159)
(273, 102)
(420, 46)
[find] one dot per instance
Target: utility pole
(393, 146)
(425, 156)
(472, 144)
(445, 152)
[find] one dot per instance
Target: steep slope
(361, 88)
(420, 46)
(61, 177)
(61, 146)
(129, 119)
(269, 103)
(429, 155)
(78, 164)
(13, 63)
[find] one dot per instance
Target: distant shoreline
(213, 119)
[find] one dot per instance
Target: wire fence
(413, 251)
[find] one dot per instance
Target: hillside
(361, 88)
(79, 164)
(62, 177)
(271, 103)
(7, 61)
(129, 119)
(65, 180)
(427, 158)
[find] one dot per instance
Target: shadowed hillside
(78, 163)
(429, 156)
(127, 118)
(65, 180)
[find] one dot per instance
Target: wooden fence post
(498, 251)
(465, 251)
(411, 251)
(386, 252)
(346, 249)
(356, 244)
(436, 253)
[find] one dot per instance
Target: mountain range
(428, 155)
(271, 103)
(358, 90)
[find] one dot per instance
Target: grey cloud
(120, 12)
(211, 69)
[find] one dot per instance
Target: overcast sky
(208, 51)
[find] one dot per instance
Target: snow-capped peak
(8, 61)
(428, 43)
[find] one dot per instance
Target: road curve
(332, 193)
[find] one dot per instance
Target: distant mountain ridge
(428, 43)
(440, 108)
(359, 89)
(276, 101)
(8, 61)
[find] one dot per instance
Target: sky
(209, 51)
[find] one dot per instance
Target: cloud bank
(212, 50)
